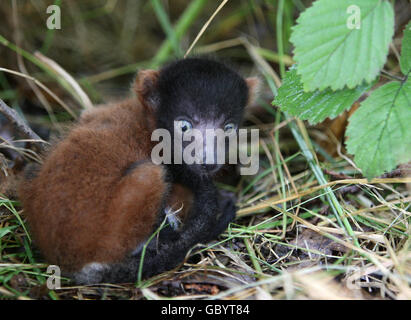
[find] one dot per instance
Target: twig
(337, 175)
(357, 188)
(391, 76)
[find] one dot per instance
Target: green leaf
(331, 53)
(314, 106)
(379, 132)
(405, 60)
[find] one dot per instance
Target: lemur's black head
(192, 95)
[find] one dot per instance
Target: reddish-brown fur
(82, 207)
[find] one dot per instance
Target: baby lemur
(98, 197)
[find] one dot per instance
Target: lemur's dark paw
(227, 215)
(227, 205)
(225, 195)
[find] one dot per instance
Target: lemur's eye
(229, 128)
(184, 125)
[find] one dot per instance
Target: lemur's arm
(205, 197)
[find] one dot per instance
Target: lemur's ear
(253, 84)
(145, 86)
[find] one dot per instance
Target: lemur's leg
(137, 202)
(163, 253)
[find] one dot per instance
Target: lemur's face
(201, 104)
